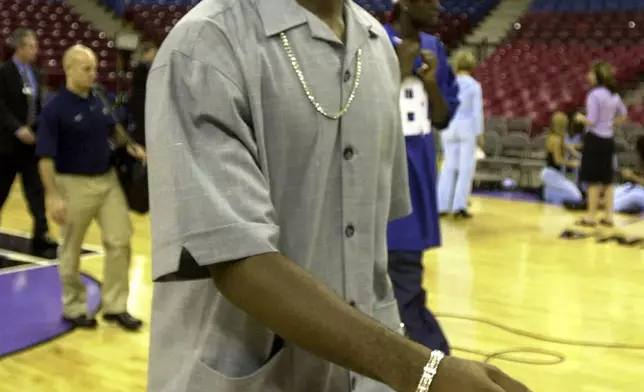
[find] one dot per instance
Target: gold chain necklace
(307, 91)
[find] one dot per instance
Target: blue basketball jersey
(421, 230)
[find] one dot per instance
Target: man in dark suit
(21, 95)
(136, 102)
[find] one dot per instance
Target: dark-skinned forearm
(302, 310)
(437, 102)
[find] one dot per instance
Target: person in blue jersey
(460, 141)
(429, 97)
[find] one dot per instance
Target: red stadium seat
(57, 28)
(548, 77)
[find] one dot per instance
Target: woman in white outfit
(460, 141)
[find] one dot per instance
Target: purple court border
(30, 298)
(509, 195)
(31, 309)
(532, 198)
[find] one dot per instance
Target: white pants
(628, 197)
(557, 188)
(459, 165)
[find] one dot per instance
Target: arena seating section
(542, 64)
(155, 18)
(541, 67)
(57, 27)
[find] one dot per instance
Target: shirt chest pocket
(80, 125)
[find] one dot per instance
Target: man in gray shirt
(276, 159)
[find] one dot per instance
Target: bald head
(80, 66)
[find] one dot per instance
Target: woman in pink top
(604, 108)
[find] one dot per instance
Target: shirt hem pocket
(206, 379)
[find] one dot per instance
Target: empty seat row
(57, 28)
(533, 80)
(586, 5)
(156, 18)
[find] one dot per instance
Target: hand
(574, 164)
(137, 152)
(460, 375)
(580, 118)
(26, 135)
(480, 141)
(407, 51)
(430, 65)
(628, 174)
(57, 208)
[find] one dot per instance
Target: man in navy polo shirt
(81, 185)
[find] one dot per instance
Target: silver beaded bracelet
(429, 371)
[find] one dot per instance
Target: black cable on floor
(510, 354)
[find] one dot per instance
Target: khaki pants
(87, 198)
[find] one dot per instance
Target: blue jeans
(628, 198)
(557, 188)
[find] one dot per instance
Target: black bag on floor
(575, 205)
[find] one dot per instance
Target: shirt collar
(280, 15)
(368, 23)
(20, 65)
(68, 94)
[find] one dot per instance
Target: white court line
(35, 262)
(26, 258)
(21, 268)
(24, 234)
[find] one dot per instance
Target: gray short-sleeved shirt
(241, 163)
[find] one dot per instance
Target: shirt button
(347, 76)
(348, 153)
(352, 303)
(349, 231)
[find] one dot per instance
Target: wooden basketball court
(502, 282)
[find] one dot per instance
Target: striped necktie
(31, 98)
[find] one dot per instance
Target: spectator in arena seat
(460, 141)
(81, 185)
(21, 95)
(276, 160)
(557, 188)
(604, 108)
(136, 102)
(428, 97)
